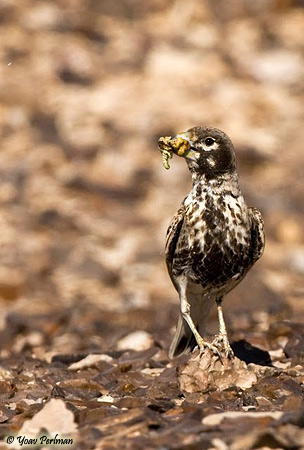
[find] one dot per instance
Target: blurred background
(86, 89)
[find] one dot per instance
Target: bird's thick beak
(182, 145)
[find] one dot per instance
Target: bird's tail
(184, 340)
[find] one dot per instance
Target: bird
(213, 240)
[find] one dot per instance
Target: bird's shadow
(250, 354)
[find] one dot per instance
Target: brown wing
(257, 234)
(172, 238)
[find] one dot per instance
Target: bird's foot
(221, 342)
(213, 348)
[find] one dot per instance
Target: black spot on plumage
(221, 201)
(208, 239)
(195, 206)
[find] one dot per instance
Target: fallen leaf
(216, 419)
(206, 372)
(90, 361)
(55, 417)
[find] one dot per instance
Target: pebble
(138, 340)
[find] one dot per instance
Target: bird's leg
(223, 336)
(185, 310)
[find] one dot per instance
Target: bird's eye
(209, 141)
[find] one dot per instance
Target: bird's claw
(222, 342)
(219, 347)
(213, 348)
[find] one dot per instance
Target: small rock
(154, 372)
(5, 374)
(106, 398)
(218, 444)
(90, 361)
(55, 417)
(276, 355)
(282, 365)
(216, 419)
(263, 401)
(138, 341)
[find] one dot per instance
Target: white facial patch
(209, 148)
(192, 155)
(211, 162)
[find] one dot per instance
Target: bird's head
(208, 151)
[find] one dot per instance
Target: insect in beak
(182, 146)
